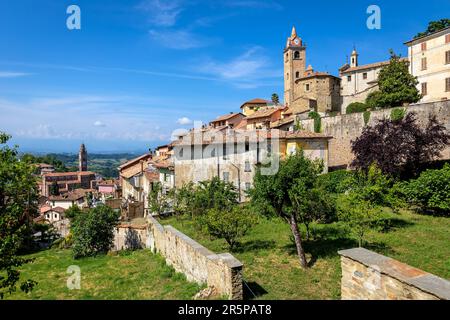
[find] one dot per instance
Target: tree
(157, 201)
(399, 147)
(396, 85)
(434, 26)
(229, 224)
(18, 199)
(93, 232)
(275, 99)
(54, 189)
(276, 194)
(359, 206)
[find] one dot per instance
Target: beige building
(251, 106)
(234, 155)
(429, 58)
(228, 120)
(305, 89)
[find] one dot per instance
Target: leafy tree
(359, 206)
(93, 232)
(275, 99)
(356, 107)
(399, 147)
(332, 182)
(317, 120)
(54, 189)
(396, 85)
(229, 224)
(276, 194)
(430, 191)
(434, 26)
(18, 199)
(157, 201)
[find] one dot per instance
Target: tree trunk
(298, 241)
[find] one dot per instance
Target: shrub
(93, 232)
(397, 114)
(229, 225)
(317, 120)
(356, 107)
(430, 191)
(332, 181)
(366, 116)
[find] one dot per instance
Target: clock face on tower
(296, 41)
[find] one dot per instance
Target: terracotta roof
(315, 74)
(44, 209)
(303, 134)
(226, 117)
(151, 175)
(256, 101)
(132, 161)
(71, 196)
(74, 173)
(58, 209)
(241, 125)
(282, 122)
(262, 113)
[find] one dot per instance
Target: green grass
(272, 270)
(128, 275)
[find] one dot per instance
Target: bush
(366, 116)
(93, 232)
(332, 181)
(397, 114)
(356, 107)
(430, 191)
(229, 225)
(317, 120)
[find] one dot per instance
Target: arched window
(297, 74)
(296, 55)
(287, 76)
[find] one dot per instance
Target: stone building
(234, 154)
(262, 118)
(429, 58)
(304, 89)
(68, 181)
(228, 120)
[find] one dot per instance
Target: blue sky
(140, 69)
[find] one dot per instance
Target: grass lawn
(272, 270)
(128, 275)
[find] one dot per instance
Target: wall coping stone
(420, 279)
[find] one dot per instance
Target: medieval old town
(224, 150)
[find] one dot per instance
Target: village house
(234, 154)
(68, 199)
(251, 106)
(262, 118)
(229, 120)
(429, 58)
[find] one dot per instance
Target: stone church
(305, 89)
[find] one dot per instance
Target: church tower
(354, 59)
(294, 64)
(82, 158)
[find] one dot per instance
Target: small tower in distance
(82, 158)
(354, 59)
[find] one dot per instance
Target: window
(269, 148)
(287, 56)
(55, 216)
(247, 145)
(224, 151)
(447, 38)
(226, 176)
(424, 89)
(297, 74)
(365, 75)
(307, 87)
(287, 76)
(447, 85)
(349, 78)
(247, 186)
(296, 55)
(423, 46)
(424, 63)
(447, 57)
(247, 166)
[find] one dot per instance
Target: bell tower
(294, 64)
(82, 158)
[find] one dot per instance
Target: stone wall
(347, 127)
(367, 275)
(220, 271)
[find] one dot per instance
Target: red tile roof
(226, 117)
(74, 173)
(256, 101)
(263, 113)
(133, 161)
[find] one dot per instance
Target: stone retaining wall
(367, 275)
(221, 271)
(347, 127)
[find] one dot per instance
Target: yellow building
(250, 107)
(429, 58)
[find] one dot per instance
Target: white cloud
(99, 124)
(184, 121)
(8, 74)
(180, 39)
(162, 13)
